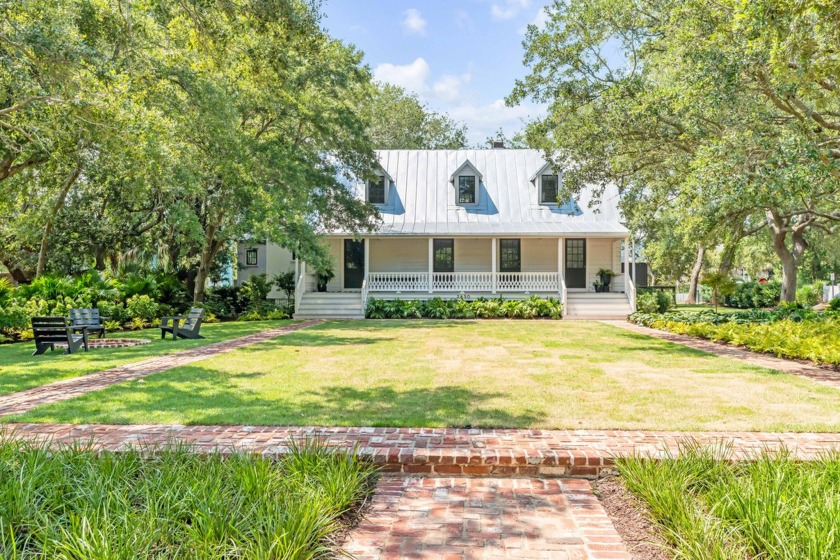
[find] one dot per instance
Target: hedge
(461, 308)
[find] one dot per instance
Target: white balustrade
(398, 281)
(462, 281)
(527, 282)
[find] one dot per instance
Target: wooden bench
(189, 328)
(48, 331)
(88, 318)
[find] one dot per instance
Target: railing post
(559, 264)
(431, 262)
(494, 282)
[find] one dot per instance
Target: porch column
(367, 257)
(559, 264)
(493, 266)
(303, 276)
(633, 263)
(431, 262)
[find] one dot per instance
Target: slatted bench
(189, 328)
(90, 319)
(48, 331)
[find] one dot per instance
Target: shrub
(141, 307)
(461, 308)
(754, 294)
(808, 295)
(254, 292)
(285, 282)
(653, 302)
(225, 301)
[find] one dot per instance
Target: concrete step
(327, 305)
(329, 316)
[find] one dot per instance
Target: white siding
(399, 255)
(245, 271)
(539, 255)
(599, 254)
(473, 255)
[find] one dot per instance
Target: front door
(576, 263)
(354, 264)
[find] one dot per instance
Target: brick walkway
(821, 375)
(22, 401)
(485, 518)
(439, 451)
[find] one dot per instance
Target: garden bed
(709, 507)
(75, 502)
(792, 332)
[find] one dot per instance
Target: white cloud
(413, 76)
(539, 20)
(484, 120)
(414, 24)
(448, 86)
(463, 19)
(508, 9)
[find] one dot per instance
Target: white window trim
(458, 189)
(540, 191)
(387, 185)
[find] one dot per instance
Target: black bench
(88, 318)
(189, 328)
(48, 331)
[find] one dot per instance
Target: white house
(477, 223)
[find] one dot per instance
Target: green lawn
(550, 374)
(20, 370)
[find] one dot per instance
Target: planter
(605, 282)
(322, 287)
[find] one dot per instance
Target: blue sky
(460, 56)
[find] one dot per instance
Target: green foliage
(721, 283)
(790, 331)
(654, 301)
(79, 502)
(285, 282)
(254, 291)
(461, 308)
(265, 314)
(809, 294)
(141, 307)
(712, 507)
(754, 294)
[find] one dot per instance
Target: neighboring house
(472, 223)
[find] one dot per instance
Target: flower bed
(787, 332)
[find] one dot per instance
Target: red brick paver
(441, 451)
(821, 375)
(22, 401)
(485, 518)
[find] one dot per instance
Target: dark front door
(354, 264)
(576, 263)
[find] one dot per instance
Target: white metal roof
(421, 197)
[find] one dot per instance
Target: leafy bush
(461, 308)
(141, 307)
(654, 301)
(754, 294)
(79, 502)
(789, 331)
(225, 301)
(6, 291)
(254, 292)
(808, 295)
(275, 314)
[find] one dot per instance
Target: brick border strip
(819, 374)
(440, 451)
(23, 401)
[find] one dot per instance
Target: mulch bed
(642, 537)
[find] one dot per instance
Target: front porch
(420, 268)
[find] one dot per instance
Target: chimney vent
(498, 145)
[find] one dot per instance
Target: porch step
(597, 305)
(330, 305)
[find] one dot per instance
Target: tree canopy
(719, 119)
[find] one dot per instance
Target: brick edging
(441, 451)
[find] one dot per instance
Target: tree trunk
(694, 280)
(208, 254)
(789, 257)
(59, 204)
(99, 252)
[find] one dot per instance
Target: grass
(710, 508)
(20, 370)
(171, 503)
(518, 374)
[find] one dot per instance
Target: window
(466, 189)
(444, 257)
(376, 191)
(510, 253)
(251, 257)
(548, 190)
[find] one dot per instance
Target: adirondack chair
(189, 328)
(89, 318)
(50, 330)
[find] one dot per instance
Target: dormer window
(548, 189)
(467, 189)
(376, 190)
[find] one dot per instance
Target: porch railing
(527, 282)
(398, 281)
(300, 285)
(630, 290)
(463, 282)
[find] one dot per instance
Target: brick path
(485, 518)
(22, 401)
(821, 375)
(441, 451)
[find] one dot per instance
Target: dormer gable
(547, 182)
(377, 187)
(467, 182)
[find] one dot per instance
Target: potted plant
(598, 285)
(324, 276)
(605, 275)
